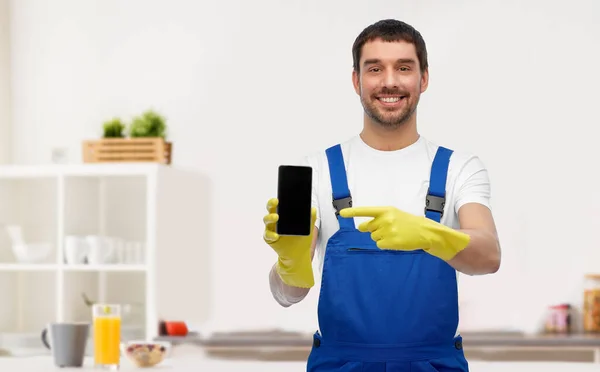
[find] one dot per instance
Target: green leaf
(149, 124)
(113, 128)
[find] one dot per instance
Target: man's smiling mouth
(391, 100)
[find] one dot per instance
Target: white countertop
(201, 363)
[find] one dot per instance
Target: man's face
(389, 82)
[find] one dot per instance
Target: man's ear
(356, 81)
(424, 80)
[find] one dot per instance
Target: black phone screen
(294, 192)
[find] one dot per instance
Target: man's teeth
(390, 99)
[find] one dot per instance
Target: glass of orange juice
(107, 336)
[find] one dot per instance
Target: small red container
(176, 328)
(559, 319)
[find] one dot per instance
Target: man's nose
(390, 79)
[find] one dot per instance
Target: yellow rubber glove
(394, 229)
(294, 264)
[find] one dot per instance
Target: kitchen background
(246, 86)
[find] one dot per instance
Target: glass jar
(591, 303)
(559, 319)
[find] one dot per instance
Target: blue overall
(382, 310)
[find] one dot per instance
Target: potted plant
(149, 124)
(114, 128)
(145, 141)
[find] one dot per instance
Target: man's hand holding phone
(294, 264)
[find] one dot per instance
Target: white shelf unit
(164, 208)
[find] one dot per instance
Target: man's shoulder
(319, 157)
(459, 159)
(467, 174)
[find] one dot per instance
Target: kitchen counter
(201, 363)
(484, 339)
(470, 339)
(277, 344)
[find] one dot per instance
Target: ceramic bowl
(145, 354)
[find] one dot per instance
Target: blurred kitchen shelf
(163, 208)
(79, 170)
(190, 338)
(27, 267)
(105, 268)
(54, 267)
(271, 338)
(492, 345)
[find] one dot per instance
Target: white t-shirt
(390, 178)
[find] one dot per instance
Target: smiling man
(396, 218)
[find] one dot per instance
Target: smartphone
(294, 192)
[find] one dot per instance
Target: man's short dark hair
(390, 30)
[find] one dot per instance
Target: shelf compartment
(112, 206)
(32, 299)
(123, 288)
(30, 207)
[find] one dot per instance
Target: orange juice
(107, 335)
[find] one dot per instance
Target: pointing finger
(363, 211)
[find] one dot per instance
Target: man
(396, 217)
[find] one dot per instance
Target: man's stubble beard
(385, 121)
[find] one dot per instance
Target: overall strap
(339, 185)
(436, 195)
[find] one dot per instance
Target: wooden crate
(139, 149)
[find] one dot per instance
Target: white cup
(100, 250)
(76, 249)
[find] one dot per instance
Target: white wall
(247, 86)
(5, 135)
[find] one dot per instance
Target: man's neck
(387, 139)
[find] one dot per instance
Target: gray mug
(67, 342)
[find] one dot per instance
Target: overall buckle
(341, 203)
(435, 203)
